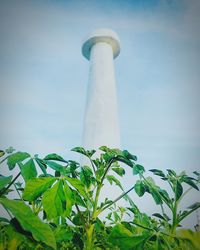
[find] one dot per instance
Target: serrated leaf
(139, 188)
(112, 179)
(80, 150)
(28, 170)
(179, 190)
(104, 148)
(42, 165)
(138, 169)
(55, 166)
(157, 172)
(171, 172)
(185, 213)
(55, 157)
(129, 156)
(35, 187)
(90, 153)
(16, 158)
(53, 201)
(29, 222)
(69, 199)
(194, 206)
(164, 194)
(78, 185)
(86, 176)
(155, 194)
(124, 160)
(125, 239)
(63, 233)
(190, 182)
(159, 216)
(119, 170)
(4, 181)
(116, 216)
(77, 199)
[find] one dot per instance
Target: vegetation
(60, 207)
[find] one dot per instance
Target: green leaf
(28, 170)
(179, 190)
(125, 239)
(42, 165)
(156, 197)
(69, 199)
(78, 185)
(157, 172)
(116, 216)
(193, 237)
(124, 160)
(35, 187)
(80, 150)
(104, 148)
(138, 169)
(63, 233)
(194, 206)
(189, 181)
(120, 171)
(164, 195)
(77, 199)
(13, 239)
(86, 176)
(129, 156)
(139, 188)
(16, 158)
(53, 201)
(30, 222)
(55, 166)
(160, 216)
(55, 157)
(112, 179)
(4, 181)
(171, 172)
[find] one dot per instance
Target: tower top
(101, 35)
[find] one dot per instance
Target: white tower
(101, 125)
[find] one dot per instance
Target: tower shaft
(101, 125)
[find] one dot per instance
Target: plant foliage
(61, 207)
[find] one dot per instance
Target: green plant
(59, 208)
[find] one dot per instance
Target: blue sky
(43, 76)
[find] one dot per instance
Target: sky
(43, 77)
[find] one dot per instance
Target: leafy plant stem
(90, 226)
(174, 219)
(106, 171)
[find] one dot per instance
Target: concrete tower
(101, 125)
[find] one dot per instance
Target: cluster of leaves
(58, 204)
